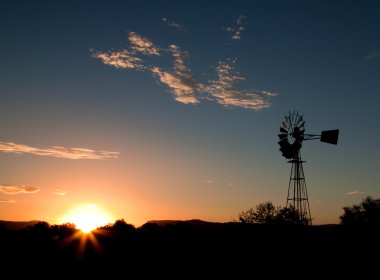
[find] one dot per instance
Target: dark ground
(194, 250)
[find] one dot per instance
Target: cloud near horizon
(60, 192)
(7, 201)
(17, 189)
(57, 151)
(356, 192)
(180, 80)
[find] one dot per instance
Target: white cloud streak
(7, 201)
(17, 189)
(172, 23)
(224, 92)
(123, 59)
(57, 151)
(182, 91)
(60, 192)
(180, 80)
(142, 44)
(356, 192)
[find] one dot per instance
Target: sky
(155, 110)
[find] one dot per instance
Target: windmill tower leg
(297, 192)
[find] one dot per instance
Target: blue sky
(171, 110)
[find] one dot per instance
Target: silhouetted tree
(248, 216)
(119, 225)
(39, 231)
(365, 213)
(39, 227)
(290, 216)
(264, 213)
(267, 213)
(63, 230)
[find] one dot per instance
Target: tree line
(367, 212)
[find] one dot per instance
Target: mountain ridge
(17, 225)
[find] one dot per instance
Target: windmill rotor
(291, 135)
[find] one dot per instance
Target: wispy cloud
(181, 81)
(179, 61)
(237, 29)
(60, 192)
(16, 189)
(172, 23)
(143, 45)
(7, 201)
(372, 55)
(57, 151)
(123, 59)
(223, 89)
(356, 192)
(183, 92)
(128, 58)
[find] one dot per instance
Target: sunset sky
(153, 110)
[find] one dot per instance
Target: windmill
(292, 134)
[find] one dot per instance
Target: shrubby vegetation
(119, 225)
(367, 212)
(43, 228)
(267, 213)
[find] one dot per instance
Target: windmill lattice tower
(292, 134)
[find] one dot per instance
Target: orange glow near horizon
(87, 217)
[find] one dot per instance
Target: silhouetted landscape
(267, 240)
(174, 115)
(192, 247)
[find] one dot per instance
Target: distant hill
(193, 222)
(13, 225)
(197, 223)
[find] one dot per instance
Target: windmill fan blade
(283, 130)
(330, 136)
(282, 136)
(283, 142)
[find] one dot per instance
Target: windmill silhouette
(292, 134)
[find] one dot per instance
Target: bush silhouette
(119, 225)
(367, 212)
(267, 213)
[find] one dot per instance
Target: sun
(87, 217)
